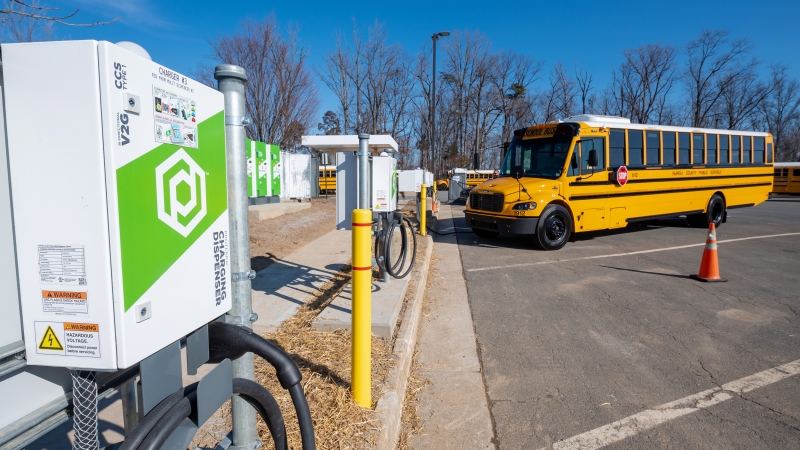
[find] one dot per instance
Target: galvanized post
(231, 80)
(364, 194)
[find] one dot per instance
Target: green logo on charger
(173, 179)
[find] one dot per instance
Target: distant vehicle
(327, 179)
(787, 178)
(592, 172)
(474, 177)
(465, 193)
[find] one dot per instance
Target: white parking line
(645, 420)
(480, 269)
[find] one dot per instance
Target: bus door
(588, 185)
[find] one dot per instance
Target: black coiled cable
(405, 225)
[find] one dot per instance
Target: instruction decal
(62, 264)
(65, 302)
(175, 118)
(68, 339)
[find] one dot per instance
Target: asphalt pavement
(607, 342)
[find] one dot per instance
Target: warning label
(68, 339)
(65, 303)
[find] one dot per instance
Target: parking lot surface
(608, 342)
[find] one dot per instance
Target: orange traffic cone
(709, 266)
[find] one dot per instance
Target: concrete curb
(390, 406)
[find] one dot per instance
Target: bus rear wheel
(553, 229)
(714, 213)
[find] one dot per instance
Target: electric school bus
(591, 173)
(113, 219)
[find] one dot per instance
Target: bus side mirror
(574, 162)
(593, 158)
(517, 172)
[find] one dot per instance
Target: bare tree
(29, 21)
(741, 98)
(335, 76)
(781, 113)
(280, 95)
(714, 62)
(584, 79)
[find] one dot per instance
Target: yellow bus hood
(536, 187)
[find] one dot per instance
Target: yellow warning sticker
(68, 339)
(50, 341)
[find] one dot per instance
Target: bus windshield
(543, 157)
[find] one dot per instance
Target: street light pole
(434, 38)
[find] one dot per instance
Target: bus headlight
(527, 206)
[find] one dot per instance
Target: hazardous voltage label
(65, 302)
(68, 339)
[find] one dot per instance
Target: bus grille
(486, 202)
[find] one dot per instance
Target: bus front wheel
(554, 228)
(442, 187)
(714, 213)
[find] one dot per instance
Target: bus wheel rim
(555, 229)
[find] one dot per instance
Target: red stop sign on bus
(621, 175)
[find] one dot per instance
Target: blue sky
(588, 33)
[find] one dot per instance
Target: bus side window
(574, 168)
(698, 148)
(616, 151)
(758, 150)
(724, 155)
(746, 144)
(736, 145)
(711, 146)
(635, 148)
(769, 153)
(685, 148)
(669, 148)
(586, 146)
(653, 148)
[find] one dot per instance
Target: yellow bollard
(361, 385)
(423, 212)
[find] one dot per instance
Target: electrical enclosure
(129, 252)
(384, 183)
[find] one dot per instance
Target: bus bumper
(516, 225)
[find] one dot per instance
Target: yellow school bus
(327, 179)
(591, 173)
(787, 178)
(474, 177)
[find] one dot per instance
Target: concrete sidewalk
(453, 409)
(289, 283)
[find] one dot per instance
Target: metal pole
(435, 38)
(364, 195)
(231, 80)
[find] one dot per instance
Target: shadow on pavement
(650, 273)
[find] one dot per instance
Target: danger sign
(68, 339)
(621, 175)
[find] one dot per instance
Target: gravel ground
(274, 239)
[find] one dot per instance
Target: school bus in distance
(590, 173)
(474, 177)
(787, 178)
(327, 179)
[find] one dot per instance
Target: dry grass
(324, 359)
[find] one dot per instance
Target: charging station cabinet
(118, 202)
(384, 183)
